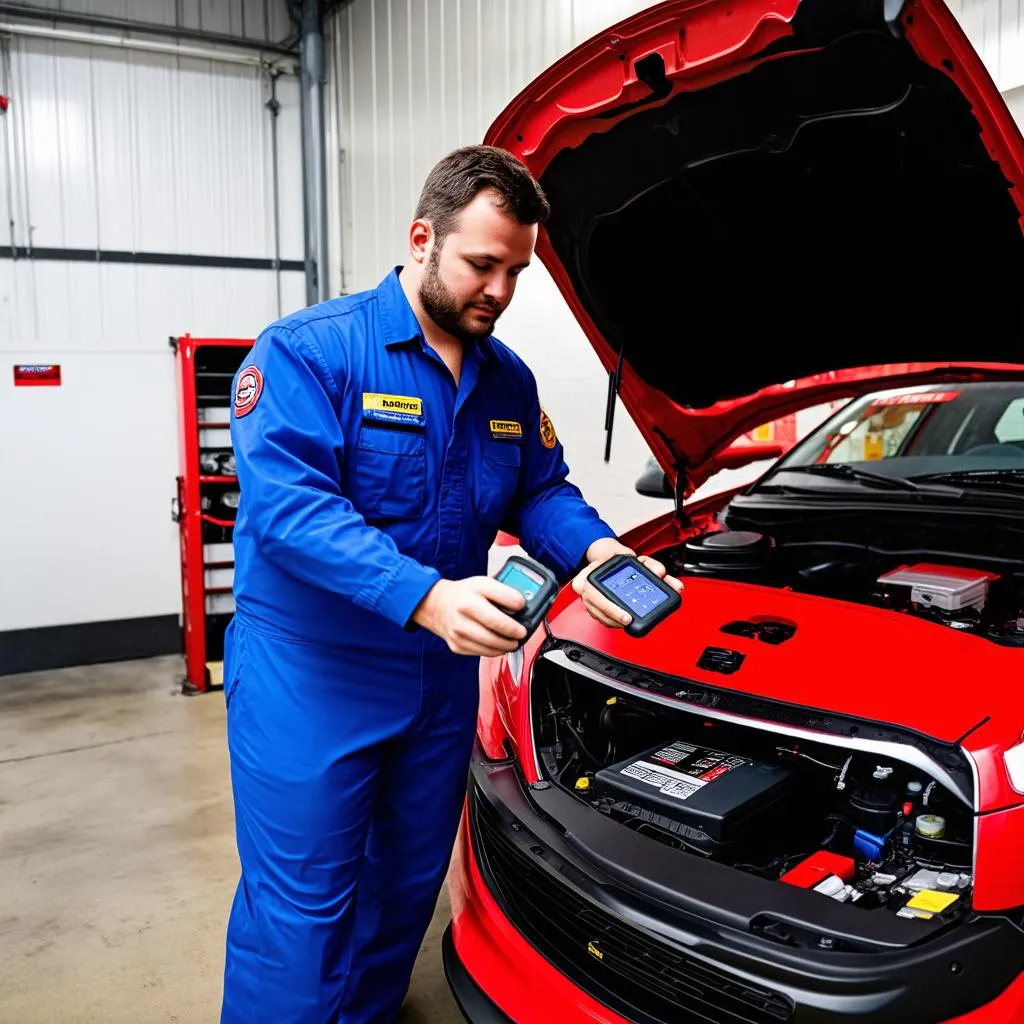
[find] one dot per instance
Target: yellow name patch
(506, 428)
(392, 403)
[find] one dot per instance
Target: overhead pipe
(102, 21)
(279, 64)
(274, 106)
(5, 59)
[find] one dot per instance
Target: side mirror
(736, 456)
(654, 482)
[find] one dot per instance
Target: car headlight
(1014, 761)
(515, 661)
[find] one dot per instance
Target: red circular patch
(248, 388)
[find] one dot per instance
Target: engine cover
(945, 587)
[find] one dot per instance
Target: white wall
(413, 79)
(145, 153)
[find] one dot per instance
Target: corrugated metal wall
(413, 79)
(996, 30)
(134, 152)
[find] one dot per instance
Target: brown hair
(462, 175)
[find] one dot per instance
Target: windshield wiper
(1008, 479)
(864, 476)
(958, 485)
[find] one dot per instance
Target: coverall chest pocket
(497, 481)
(390, 478)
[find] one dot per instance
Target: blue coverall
(366, 475)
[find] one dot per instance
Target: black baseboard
(88, 643)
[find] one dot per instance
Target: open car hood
(760, 205)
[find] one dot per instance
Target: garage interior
(177, 174)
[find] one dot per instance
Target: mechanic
(381, 440)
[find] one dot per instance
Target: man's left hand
(607, 613)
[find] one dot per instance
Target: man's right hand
(463, 614)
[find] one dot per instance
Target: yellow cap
(612, 700)
(583, 783)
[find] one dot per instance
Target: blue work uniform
(366, 475)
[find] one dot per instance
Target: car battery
(707, 797)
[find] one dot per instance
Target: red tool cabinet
(206, 500)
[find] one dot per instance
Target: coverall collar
(399, 322)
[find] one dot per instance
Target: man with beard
(381, 441)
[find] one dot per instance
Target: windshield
(919, 432)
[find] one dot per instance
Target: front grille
(614, 962)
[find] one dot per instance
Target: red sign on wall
(28, 375)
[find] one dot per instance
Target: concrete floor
(117, 856)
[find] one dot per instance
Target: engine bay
(972, 582)
(872, 832)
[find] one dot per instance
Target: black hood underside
(830, 208)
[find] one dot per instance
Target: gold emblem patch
(594, 951)
(547, 431)
(507, 429)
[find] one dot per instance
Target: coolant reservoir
(931, 826)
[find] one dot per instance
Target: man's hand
(463, 614)
(600, 608)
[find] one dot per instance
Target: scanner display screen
(515, 577)
(634, 591)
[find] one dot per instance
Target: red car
(801, 797)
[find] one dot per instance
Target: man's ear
(421, 240)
